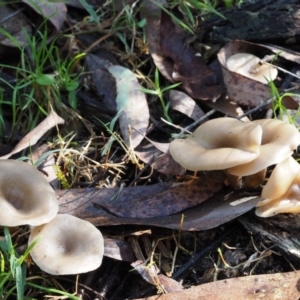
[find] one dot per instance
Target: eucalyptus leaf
(132, 102)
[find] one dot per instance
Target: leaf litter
(112, 191)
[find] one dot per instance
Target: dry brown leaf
(183, 103)
(283, 286)
(152, 13)
(103, 80)
(216, 211)
(150, 274)
(30, 139)
(175, 59)
(243, 90)
(118, 249)
(54, 11)
(156, 154)
(227, 107)
(47, 164)
(132, 105)
(163, 199)
(17, 26)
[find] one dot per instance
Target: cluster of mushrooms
(67, 244)
(244, 151)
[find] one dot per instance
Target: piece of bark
(287, 242)
(256, 22)
(283, 286)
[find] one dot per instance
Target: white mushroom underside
(25, 195)
(68, 245)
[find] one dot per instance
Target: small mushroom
(68, 245)
(25, 195)
(218, 144)
(279, 139)
(249, 65)
(281, 194)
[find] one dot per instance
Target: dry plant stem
(3, 20)
(269, 101)
(191, 126)
(149, 163)
(103, 38)
(249, 112)
(179, 273)
(281, 69)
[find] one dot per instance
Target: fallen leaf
(185, 104)
(162, 282)
(241, 89)
(209, 214)
(104, 81)
(46, 165)
(283, 286)
(118, 249)
(156, 154)
(15, 25)
(132, 102)
(227, 107)
(189, 68)
(30, 139)
(54, 11)
(163, 199)
(175, 59)
(152, 13)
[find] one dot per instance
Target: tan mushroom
(218, 144)
(68, 245)
(249, 65)
(281, 194)
(279, 139)
(25, 195)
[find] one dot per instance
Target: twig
(191, 126)
(199, 255)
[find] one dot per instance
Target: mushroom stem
(255, 180)
(234, 181)
(282, 191)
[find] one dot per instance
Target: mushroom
(218, 144)
(25, 195)
(249, 65)
(279, 139)
(281, 194)
(68, 245)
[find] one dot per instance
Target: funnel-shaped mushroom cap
(248, 65)
(218, 144)
(282, 191)
(68, 245)
(279, 139)
(25, 195)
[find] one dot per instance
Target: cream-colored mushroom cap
(279, 139)
(281, 194)
(25, 195)
(218, 144)
(248, 65)
(68, 245)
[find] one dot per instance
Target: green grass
(14, 282)
(37, 89)
(159, 92)
(280, 111)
